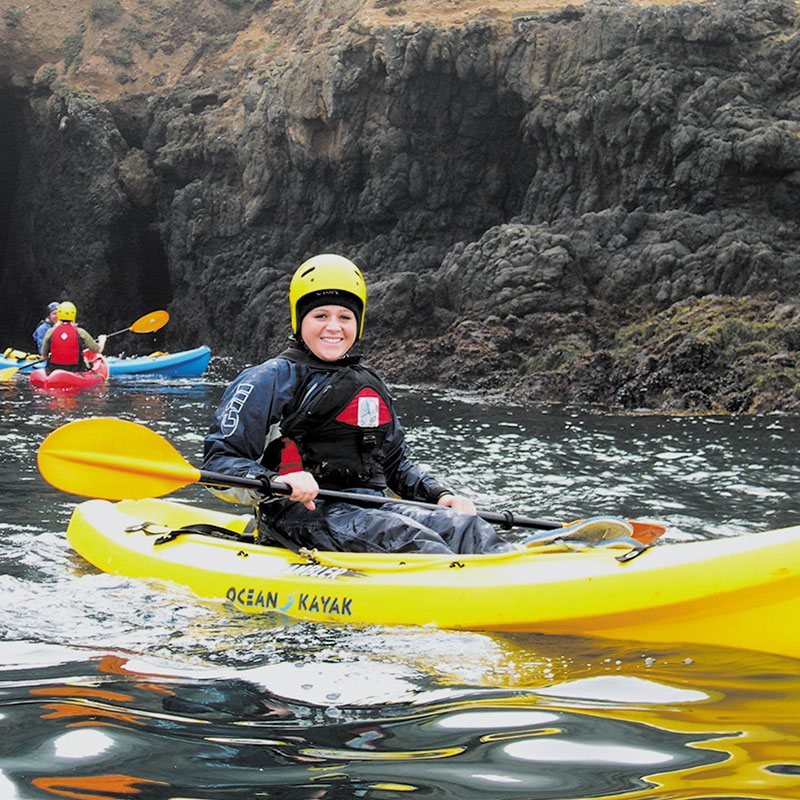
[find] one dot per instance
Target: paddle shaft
(116, 459)
(506, 519)
(117, 333)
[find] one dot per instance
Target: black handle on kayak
(504, 518)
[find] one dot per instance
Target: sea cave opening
(9, 170)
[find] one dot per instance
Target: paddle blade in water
(8, 373)
(153, 321)
(113, 459)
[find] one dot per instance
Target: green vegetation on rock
(72, 47)
(105, 12)
(13, 17)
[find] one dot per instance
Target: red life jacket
(65, 347)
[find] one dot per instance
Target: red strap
(290, 457)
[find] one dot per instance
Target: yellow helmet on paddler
(327, 279)
(67, 311)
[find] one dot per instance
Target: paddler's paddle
(149, 323)
(115, 460)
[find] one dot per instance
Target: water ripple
(112, 687)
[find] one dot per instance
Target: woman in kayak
(65, 342)
(315, 417)
(45, 325)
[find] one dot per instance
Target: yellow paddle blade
(113, 459)
(8, 373)
(150, 322)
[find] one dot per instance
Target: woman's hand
(457, 503)
(303, 485)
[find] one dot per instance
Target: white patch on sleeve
(230, 415)
(368, 412)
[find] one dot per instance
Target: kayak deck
(24, 362)
(737, 591)
(183, 364)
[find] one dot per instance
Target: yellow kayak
(740, 591)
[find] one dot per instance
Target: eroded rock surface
(561, 209)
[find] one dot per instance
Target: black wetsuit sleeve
(247, 418)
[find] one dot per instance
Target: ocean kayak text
(247, 597)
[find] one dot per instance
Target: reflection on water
(87, 726)
(116, 688)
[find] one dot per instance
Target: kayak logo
(231, 412)
(320, 571)
(248, 597)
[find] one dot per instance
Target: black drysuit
(337, 418)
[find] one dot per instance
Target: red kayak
(64, 379)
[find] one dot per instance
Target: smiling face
(329, 331)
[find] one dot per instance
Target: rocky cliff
(594, 203)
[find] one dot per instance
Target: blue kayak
(25, 362)
(185, 364)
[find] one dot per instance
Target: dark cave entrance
(154, 286)
(134, 274)
(139, 266)
(140, 278)
(9, 168)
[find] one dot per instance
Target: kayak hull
(184, 364)
(63, 380)
(736, 592)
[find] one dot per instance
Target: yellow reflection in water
(741, 704)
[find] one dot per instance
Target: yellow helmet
(67, 312)
(327, 279)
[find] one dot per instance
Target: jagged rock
(519, 197)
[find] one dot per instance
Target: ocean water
(115, 688)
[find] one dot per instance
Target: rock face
(561, 211)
